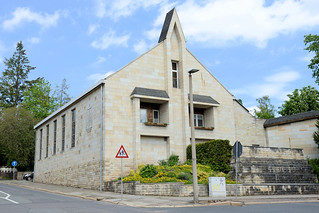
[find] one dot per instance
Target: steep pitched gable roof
(291, 118)
(171, 22)
(167, 22)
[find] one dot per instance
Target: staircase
(273, 165)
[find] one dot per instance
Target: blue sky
(253, 47)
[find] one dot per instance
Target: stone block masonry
(182, 190)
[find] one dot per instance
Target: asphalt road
(15, 200)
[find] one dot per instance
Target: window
(54, 137)
(40, 154)
(143, 115)
(175, 74)
(198, 120)
(155, 116)
(63, 133)
(73, 129)
(47, 147)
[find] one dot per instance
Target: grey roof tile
(165, 28)
(291, 118)
(150, 92)
(204, 99)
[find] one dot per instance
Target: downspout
(101, 144)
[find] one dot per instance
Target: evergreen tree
(61, 94)
(14, 79)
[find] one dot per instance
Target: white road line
(7, 198)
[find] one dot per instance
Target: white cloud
(99, 60)
(34, 40)
(22, 14)
(98, 76)
(140, 47)
(225, 22)
(121, 8)
(93, 28)
(109, 39)
(274, 86)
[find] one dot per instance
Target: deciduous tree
(301, 100)
(266, 109)
(39, 100)
(313, 46)
(17, 137)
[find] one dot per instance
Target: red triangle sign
(121, 153)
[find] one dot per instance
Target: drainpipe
(101, 144)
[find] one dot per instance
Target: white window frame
(175, 71)
(156, 120)
(196, 119)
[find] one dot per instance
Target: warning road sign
(121, 153)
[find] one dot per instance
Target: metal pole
(121, 178)
(236, 158)
(194, 165)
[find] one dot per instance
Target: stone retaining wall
(182, 190)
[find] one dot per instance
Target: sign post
(14, 164)
(121, 154)
(237, 151)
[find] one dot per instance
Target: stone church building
(144, 106)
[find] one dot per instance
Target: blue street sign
(14, 163)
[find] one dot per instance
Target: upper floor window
(143, 115)
(155, 116)
(175, 74)
(73, 129)
(199, 120)
(149, 113)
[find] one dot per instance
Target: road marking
(7, 198)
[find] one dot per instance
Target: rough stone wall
(295, 135)
(181, 190)
(77, 166)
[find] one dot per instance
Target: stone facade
(109, 114)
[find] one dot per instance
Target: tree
(313, 46)
(61, 94)
(266, 109)
(14, 80)
(17, 137)
(38, 99)
(316, 134)
(301, 100)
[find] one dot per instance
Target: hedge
(215, 153)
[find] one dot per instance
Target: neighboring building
(145, 107)
(294, 131)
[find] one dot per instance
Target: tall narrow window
(73, 129)
(47, 145)
(63, 133)
(54, 137)
(156, 116)
(40, 153)
(143, 115)
(175, 74)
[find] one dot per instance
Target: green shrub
(214, 153)
(162, 162)
(184, 176)
(148, 171)
(315, 165)
(173, 160)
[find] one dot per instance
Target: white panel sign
(217, 187)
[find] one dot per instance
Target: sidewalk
(160, 201)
